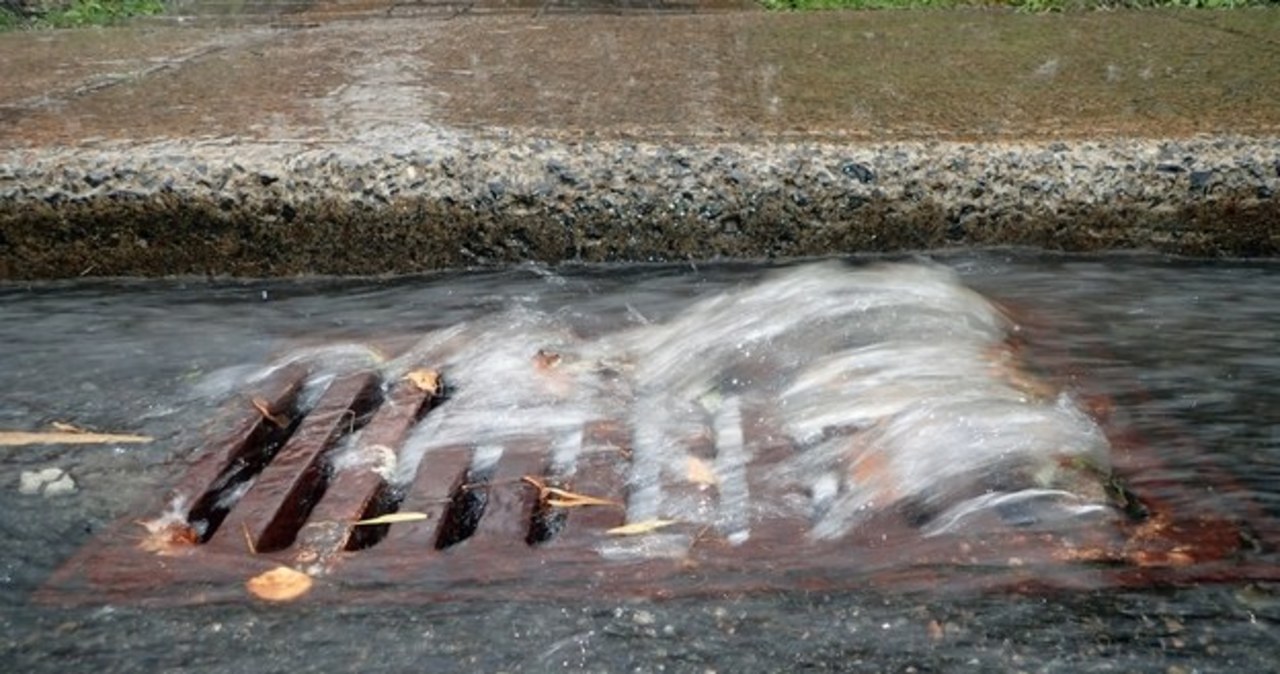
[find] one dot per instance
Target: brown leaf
(546, 360)
(280, 584)
(264, 408)
(168, 538)
(936, 631)
(699, 472)
(15, 438)
(426, 380)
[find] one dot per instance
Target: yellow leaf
(14, 438)
(563, 498)
(578, 499)
(425, 380)
(393, 518)
(699, 472)
(280, 584)
(637, 528)
(248, 538)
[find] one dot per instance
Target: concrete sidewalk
(496, 137)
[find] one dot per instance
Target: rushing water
(1185, 351)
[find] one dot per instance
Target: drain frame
(292, 513)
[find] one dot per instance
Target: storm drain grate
(265, 495)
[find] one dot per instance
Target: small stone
(60, 487)
(1200, 179)
(1048, 69)
(52, 481)
(858, 172)
(29, 483)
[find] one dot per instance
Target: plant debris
(425, 380)
(643, 527)
(562, 498)
(546, 360)
(168, 537)
(699, 472)
(280, 584)
(264, 408)
(248, 539)
(393, 518)
(76, 437)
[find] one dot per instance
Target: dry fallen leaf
(935, 630)
(393, 518)
(425, 380)
(15, 438)
(637, 528)
(279, 584)
(699, 472)
(545, 360)
(248, 539)
(66, 427)
(264, 408)
(562, 498)
(168, 538)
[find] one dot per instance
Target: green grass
(106, 12)
(9, 20)
(83, 13)
(1028, 5)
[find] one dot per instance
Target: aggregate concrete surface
(376, 137)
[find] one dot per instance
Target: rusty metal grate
(262, 496)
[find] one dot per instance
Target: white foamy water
(894, 387)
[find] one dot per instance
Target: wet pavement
(377, 139)
(1182, 346)
(388, 137)
(876, 76)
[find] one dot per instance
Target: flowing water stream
(867, 366)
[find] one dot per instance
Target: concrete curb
(452, 199)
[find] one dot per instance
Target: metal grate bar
(361, 492)
(269, 515)
(508, 511)
(253, 426)
(603, 474)
(441, 473)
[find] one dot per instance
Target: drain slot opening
(467, 503)
(259, 448)
(546, 521)
(314, 479)
(386, 501)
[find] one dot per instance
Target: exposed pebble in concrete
(49, 482)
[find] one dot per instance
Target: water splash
(893, 388)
